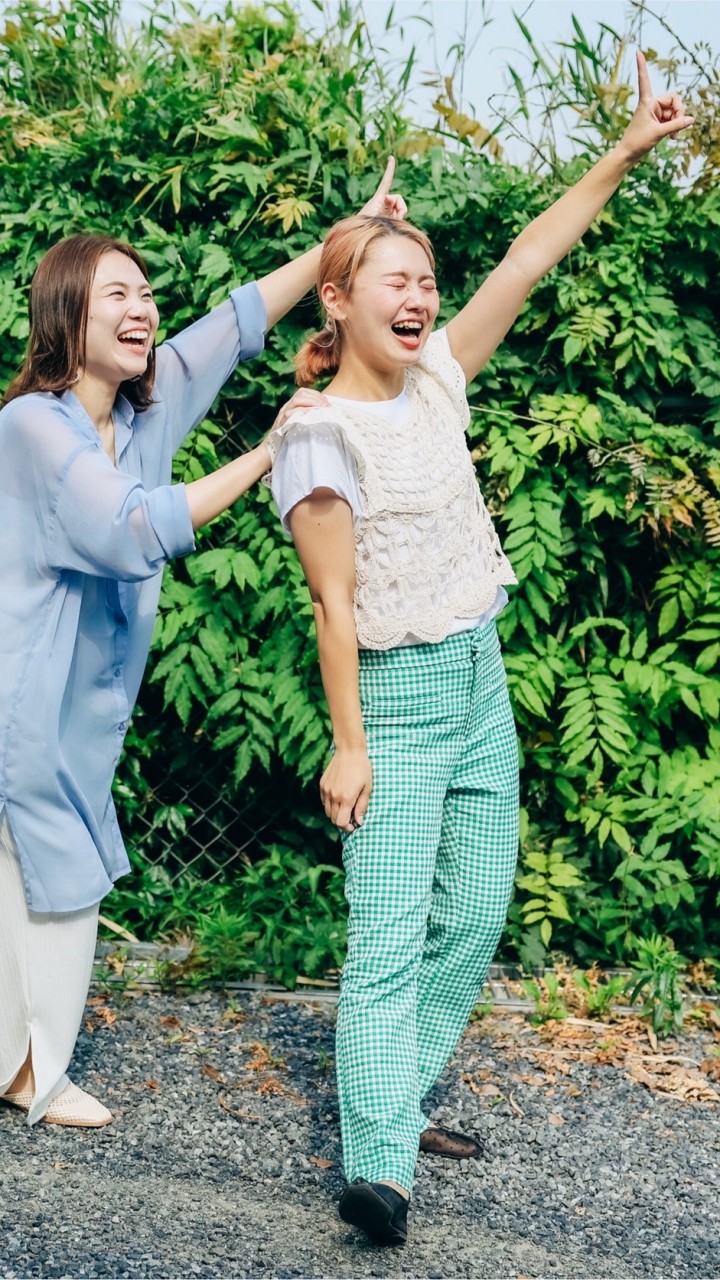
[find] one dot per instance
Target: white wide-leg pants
(45, 969)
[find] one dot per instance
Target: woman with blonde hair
(407, 576)
(90, 516)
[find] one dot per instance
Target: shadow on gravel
(224, 1157)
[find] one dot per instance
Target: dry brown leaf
(262, 1059)
(233, 1015)
(272, 1088)
(149, 1084)
(713, 1018)
(59, 1166)
(574, 1092)
(322, 1164)
(483, 1090)
(212, 1073)
(711, 1068)
(689, 1084)
(554, 1118)
(169, 1020)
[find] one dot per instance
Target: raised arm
(195, 363)
(321, 526)
(283, 288)
(476, 331)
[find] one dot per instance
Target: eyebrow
(123, 284)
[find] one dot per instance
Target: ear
(333, 300)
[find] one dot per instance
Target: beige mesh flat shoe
(72, 1107)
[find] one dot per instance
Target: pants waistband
(462, 646)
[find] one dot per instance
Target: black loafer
(380, 1211)
(446, 1142)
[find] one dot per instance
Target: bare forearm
(214, 493)
(549, 237)
(281, 289)
(337, 645)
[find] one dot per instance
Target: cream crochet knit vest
(426, 551)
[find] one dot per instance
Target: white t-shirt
(320, 458)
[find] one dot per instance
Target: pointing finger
(645, 92)
(387, 178)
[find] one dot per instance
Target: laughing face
(391, 308)
(122, 321)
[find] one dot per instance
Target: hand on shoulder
(302, 401)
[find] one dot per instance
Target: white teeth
(135, 335)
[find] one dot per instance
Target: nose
(414, 297)
(138, 308)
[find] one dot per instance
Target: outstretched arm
(194, 364)
(476, 331)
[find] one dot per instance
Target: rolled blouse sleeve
(106, 524)
(193, 365)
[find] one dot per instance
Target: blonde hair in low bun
(343, 253)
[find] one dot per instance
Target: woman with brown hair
(407, 575)
(90, 516)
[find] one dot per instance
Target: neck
(97, 399)
(356, 380)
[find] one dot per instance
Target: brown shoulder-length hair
(59, 298)
(343, 253)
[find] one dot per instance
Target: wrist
(350, 746)
(626, 156)
(265, 457)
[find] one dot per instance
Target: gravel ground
(224, 1159)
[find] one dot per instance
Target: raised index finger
(386, 180)
(645, 91)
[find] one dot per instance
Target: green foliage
(549, 1004)
(281, 916)
(658, 978)
(220, 148)
(598, 995)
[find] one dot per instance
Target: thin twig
(642, 6)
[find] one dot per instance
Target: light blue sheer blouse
(82, 548)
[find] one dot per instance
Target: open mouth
(134, 340)
(408, 331)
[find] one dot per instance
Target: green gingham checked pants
(428, 881)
